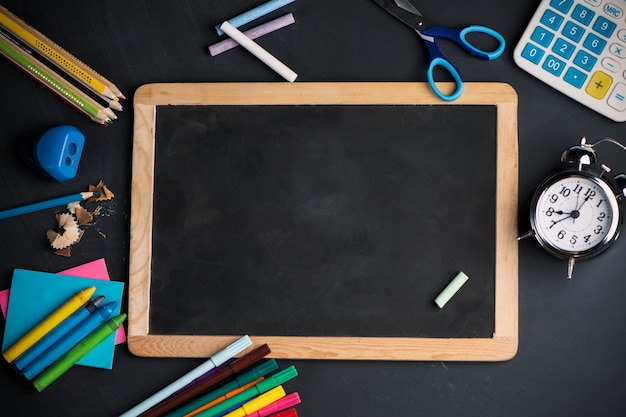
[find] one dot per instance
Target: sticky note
(34, 295)
(451, 289)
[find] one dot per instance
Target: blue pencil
(59, 331)
(42, 205)
(77, 334)
(254, 14)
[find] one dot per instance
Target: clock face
(576, 215)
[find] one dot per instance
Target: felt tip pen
(245, 378)
(287, 413)
(77, 352)
(49, 323)
(267, 384)
(287, 401)
(214, 361)
(185, 395)
(58, 332)
(224, 397)
(65, 344)
(259, 402)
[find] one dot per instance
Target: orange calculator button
(599, 85)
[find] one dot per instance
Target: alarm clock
(576, 212)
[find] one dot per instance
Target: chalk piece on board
(259, 52)
(452, 288)
(254, 33)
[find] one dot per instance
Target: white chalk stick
(259, 52)
(451, 289)
(254, 33)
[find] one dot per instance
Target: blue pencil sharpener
(58, 150)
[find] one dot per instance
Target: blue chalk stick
(254, 14)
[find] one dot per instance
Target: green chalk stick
(452, 288)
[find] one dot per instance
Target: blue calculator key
(562, 6)
(553, 65)
(532, 53)
(542, 36)
(573, 31)
(594, 43)
(583, 14)
(563, 48)
(575, 77)
(585, 60)
(604, 26)
(552, 20)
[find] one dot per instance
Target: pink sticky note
(95, 269)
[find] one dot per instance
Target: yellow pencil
(59, 56)
(40, 330)
(58, 85)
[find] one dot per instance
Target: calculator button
(622, 35)
(542, 36)
(594, 43)
(551, 20)
(575, 77)
(583, 14)
(611, 64)
(613, 11)
(553, 65)
(563, 48)
(599, 85)
(604, 26)
(573, 31)
(532, 53)
(618, 50)
(562, 6)
(585, 60)
(594, 2)
(617, 99)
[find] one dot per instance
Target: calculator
(579, 48)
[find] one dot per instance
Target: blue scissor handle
(458, 36)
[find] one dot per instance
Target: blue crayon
(58, 332)
(77, 334)
(254, 14)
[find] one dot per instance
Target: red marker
(287, 413)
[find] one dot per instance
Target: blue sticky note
(35, 295)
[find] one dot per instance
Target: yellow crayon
(50, 322)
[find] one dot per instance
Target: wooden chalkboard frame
(503, 344)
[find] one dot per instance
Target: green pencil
(85, 346)
(47, 77)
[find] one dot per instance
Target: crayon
(77, 352)
(49, 323)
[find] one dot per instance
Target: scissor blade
(404, 11)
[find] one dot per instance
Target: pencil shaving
(105, 193)
(68, 232)
(83, 217)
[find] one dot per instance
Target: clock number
(565, 192)
(601, 217)
(550, 211)
(586, 238)
(573, 239)
(578, 188)
(597, 230)
(561, 234)
(554, 198)
(590, 194)
(599, 203)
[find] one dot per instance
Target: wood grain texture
(503, 344)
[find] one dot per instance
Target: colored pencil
(214, 361)
(59, 56)
(42, 205)
(49, 79)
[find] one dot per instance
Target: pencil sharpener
(58, 150)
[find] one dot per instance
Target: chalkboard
(323, 219)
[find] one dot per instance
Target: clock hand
(554, 222)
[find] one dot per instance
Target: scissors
(404, 11)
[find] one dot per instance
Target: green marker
(77, 352)
(260, 388)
